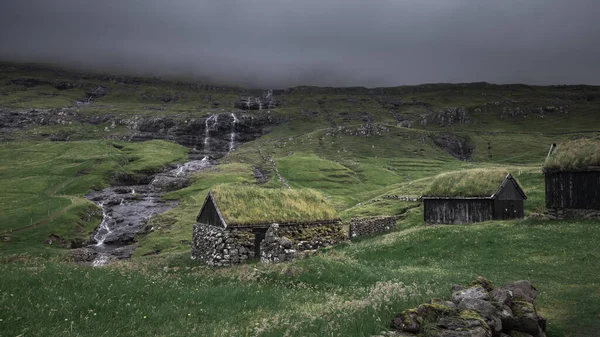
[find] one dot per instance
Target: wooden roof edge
(459, 198)
(267, 224)
(510, 178)
(210, 196)
(586, 169)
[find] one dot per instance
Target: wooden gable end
(510, 190)
(209, 214)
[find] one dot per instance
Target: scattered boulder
(479, 310)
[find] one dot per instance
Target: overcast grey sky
(314, 42)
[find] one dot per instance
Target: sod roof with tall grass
(467, 183)
(575, 156)
(246, 205)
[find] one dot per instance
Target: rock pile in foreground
(479, 310)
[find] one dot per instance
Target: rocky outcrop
(446, 117)
(509, 112)
(479, 310)
(364, 130)
(266, 101)
(211, 134)
(459, 147)
(97, 92)
(372, 225)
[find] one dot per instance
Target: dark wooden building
(573, 190)
(505, 203)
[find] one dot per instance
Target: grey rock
(501, 296)
(285, 243)
(476, 292)
(484, 308)
(522, 290)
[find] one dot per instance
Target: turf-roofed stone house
(572, 174)
(234, 221)
(473, 196)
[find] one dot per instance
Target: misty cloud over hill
(330, 43)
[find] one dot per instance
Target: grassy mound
(467, 183)
(575, 155)
(249, 205)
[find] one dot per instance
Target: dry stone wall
(313, 236)
(372, 225)
(275, 249)
(218, 246)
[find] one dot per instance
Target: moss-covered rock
(484, 283)
(407, 321)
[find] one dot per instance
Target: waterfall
(103, 227)
(207, 128)
(233, 134)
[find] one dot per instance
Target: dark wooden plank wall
(578, 190)
(509, 192)
(508, 209)
(209, 215)
(457, 211)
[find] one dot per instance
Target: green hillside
(367, 151)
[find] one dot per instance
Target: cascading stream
(103, 230)
(209, 124)
(126, 209)
(233, 134)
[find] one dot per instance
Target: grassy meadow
(353, 289)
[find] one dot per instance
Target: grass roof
(250, 205)
(575, 155)
(467, 183)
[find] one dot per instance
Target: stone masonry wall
(218, 246)
(569, 213)
(276, 249)
(313, 236)
(372, 225)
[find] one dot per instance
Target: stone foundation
(218, 246)
(372, 225)
(313, 236)
(571, 213)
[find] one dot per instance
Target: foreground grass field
(352, 290)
